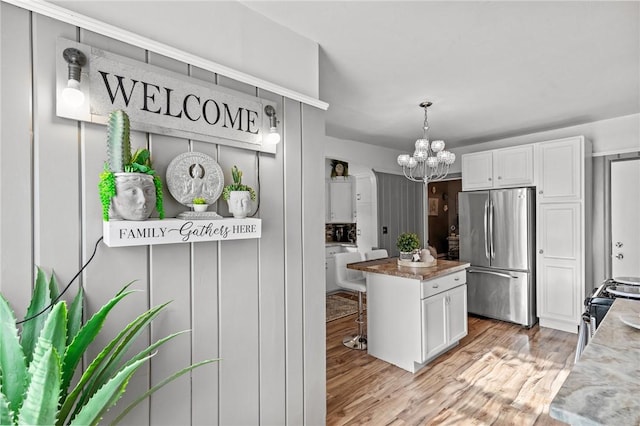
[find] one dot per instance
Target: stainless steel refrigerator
(497, 236)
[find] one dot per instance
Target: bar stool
(353, 280)
(376, 254)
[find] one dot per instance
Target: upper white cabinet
(560, 173)
(500, 168)
(342, 206)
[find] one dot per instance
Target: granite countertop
(389, 266)
(603, 387)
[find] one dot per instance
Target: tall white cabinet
(560, 170)
(563, 187)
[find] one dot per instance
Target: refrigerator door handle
(493, 253)
(486, 234)
(482, 271)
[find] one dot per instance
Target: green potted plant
(129, 187)
(407, 244)
(199, 204)
(41, 384)
(238, 195)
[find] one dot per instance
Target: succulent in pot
(199, 204)
(238, 195)
(407, 244)
(129, 187)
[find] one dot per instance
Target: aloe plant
(36, 373)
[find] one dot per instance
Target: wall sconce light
(273, 137)
(72, 94)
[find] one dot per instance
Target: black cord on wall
(53, 302)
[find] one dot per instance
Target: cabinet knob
(541, 251)
(540, 192)
(435, 286)
(499, 177)
(489, 178)
(456, 279)
(619, 256)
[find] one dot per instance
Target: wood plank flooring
(500, 374)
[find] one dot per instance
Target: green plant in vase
(238, 195)
(407, 244)
(199, 204)
(39, 360)
(129, 187)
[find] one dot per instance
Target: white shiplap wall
(257, 304)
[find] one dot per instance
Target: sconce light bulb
(72, 94)
(273, 137)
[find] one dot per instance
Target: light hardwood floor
(500, 374)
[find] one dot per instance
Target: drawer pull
(435, 285)
(456, 279)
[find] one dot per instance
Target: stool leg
(359, 341)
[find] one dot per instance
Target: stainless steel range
(597, 305)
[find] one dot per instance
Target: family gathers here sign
(162, 101)
(120, 233)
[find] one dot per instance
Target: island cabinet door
(434, 325)
(457, 313)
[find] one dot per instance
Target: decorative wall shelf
(125, 233)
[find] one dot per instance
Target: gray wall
(258, 304)
(400, 209)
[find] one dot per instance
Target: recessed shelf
(126, 233)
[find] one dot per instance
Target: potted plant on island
(200, 204)
(41, 384)
(238, 195)
(129, 187)
(407, 244)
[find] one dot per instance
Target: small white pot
(200, 207)
(239, 203)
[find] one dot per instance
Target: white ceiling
(492, 69)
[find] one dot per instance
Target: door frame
(607, 211)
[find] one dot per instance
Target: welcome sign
(162, 101)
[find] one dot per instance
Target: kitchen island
(414, 314)
(603, 386)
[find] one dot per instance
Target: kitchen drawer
(438, 285)
(331, 250)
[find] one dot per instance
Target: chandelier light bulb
(432, 161)
(420, 155)
(412, 163)
(403, 160)
(422, 144)
(437, 146)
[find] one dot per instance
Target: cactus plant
(120, 159)
(237, 185)
(118, 142)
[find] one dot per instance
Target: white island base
(414, 316)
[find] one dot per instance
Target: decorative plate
(194, 175)
(628, 280)
(632, 320)
(625, 290)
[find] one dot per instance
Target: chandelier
(429, 162)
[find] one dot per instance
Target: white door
(625, 226)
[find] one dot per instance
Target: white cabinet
(330, 267)
(444, 321)
(563, 278)
(412, 321)
(500, 168)
(341, 201)
(560, 170)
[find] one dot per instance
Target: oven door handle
(499, 274)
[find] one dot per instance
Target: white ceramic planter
(135, 197)
(239, 203)
(200, 207)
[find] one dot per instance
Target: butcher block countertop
(603, 387)
(389, 266)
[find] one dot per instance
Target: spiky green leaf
(159, 386)
(31, 328)
(54, 333)
(54, 290)
(41, 401)
(6, 415)
(106, 363)
(75, 315)
(85, 336)
(106, 396)
(12, 360)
